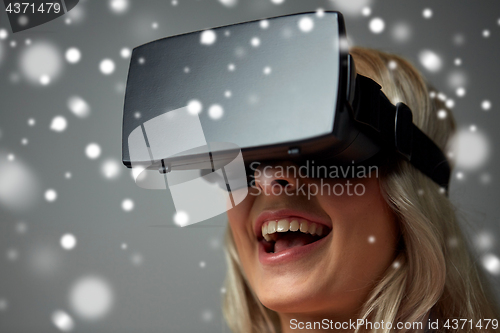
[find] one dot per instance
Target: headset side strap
(393, 126)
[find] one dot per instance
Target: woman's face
(297, 272)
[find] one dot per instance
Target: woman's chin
(283, 304)
(284, 298)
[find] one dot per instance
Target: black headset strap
(394, 126)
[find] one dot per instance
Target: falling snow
(127, 205)
(442, 114)
(73, 55)
(240, 52)
(207, 316)
(471, 148)
(125, 52)
(58, 124)
(401, 32)
(137, 259)
(23, 20)
(107, 66)
(457, 78)
(491, 263)
(484, 241)
(377, 25)
(19, 185)
(215, 243)
(91, 297)
(12, 255)
(458, 39)
(119, 6)
(255, 42)
(111, 169)
(208, 37)
(430, 60)
(45, 260)
(306, 24)
(78, 106)
(93, 151)
(194, 107)
(41, 63)
(21, 228)
(351, 7)
(215, 111)
(486, 105)
(181, 218)
(44, 80)
(427, 13)
(76, 15)
(229, 3)
(50, 195)
(46, 64)
(68, 242)
(63, 321)
(3, 304)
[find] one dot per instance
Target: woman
(394, 254)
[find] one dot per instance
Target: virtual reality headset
(283, 88)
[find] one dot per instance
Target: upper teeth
(271, 227)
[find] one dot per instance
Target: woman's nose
(277, 178)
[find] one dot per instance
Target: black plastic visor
(212, 102)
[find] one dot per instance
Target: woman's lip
(269, 215)
(289, 255)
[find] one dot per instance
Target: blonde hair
(435, 268)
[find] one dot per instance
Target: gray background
(169, 279)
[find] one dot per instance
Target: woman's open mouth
(287, 233)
